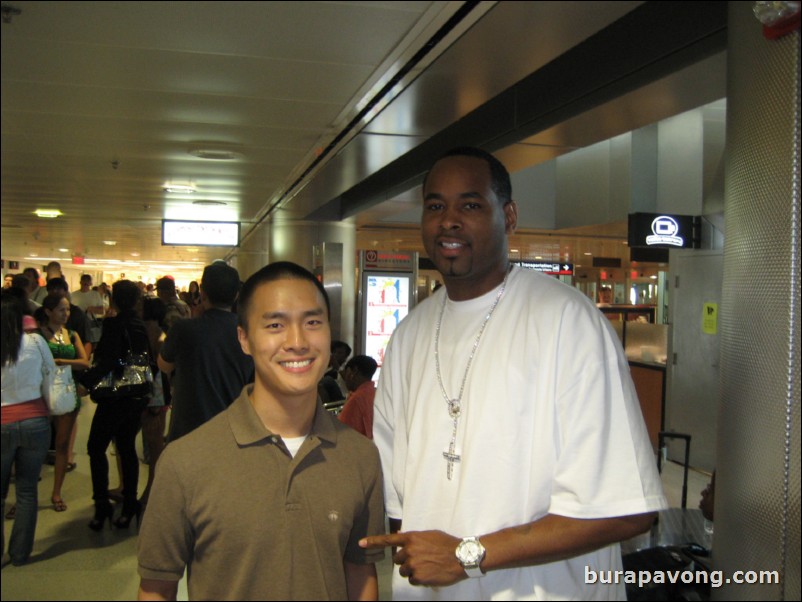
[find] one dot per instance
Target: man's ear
(511, 217)
(242, 335)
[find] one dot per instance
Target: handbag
(132, 377)
(58, 388)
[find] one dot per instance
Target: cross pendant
(451, 457)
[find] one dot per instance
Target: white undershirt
(294, 444)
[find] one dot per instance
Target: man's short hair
(32, 273)
(166, 285)
(364, 364)
(57, 284)
(220, 284)
(280, 270)
(499, 176)
(85, 277)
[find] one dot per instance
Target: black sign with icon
(664, 231)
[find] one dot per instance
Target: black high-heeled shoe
(128, 514)
(103, 511)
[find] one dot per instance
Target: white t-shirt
(87, 299)
(550, 424)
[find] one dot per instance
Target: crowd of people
(90, 331)
(510, 451)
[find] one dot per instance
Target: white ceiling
(102, 102)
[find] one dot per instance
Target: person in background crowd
(77, 318)
(203, 357)
(25, 426)
(117, 419)
(154, 416)
(23, 284)
(33, 277)
(52, 270)
(194, 299)
(7, 280)
(358, 410)
(91, 303)
(68, 350)
(176, 309)
(512, 442)
(105, 296)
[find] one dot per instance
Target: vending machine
(387, 293)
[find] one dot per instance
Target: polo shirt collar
(248, 428)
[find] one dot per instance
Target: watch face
(470, 552)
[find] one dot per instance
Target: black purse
(132, 377)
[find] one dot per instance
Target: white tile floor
(70, 562)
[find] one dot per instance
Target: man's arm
(360, 581)
(428, 557)
(157, 589)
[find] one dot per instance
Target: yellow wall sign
(710, 318)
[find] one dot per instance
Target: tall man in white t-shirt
(513, 447)
(87, 299)
(91, 303)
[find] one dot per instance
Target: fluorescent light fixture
(48, 213)
(110, 243)
(64, 250)
(179, 188)
(215, 154)
(200, 234)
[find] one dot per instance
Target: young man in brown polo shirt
(269, 499)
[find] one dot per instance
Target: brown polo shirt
(250, 522)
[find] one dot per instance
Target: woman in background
(68, 350)
(117, 419)
(25, 424)
(194, 299)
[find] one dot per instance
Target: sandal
(58, 504)
(12, 512)
(71, 466)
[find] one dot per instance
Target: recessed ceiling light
(588, 253)
(48, 213)
(110, 243)
(134, 254)
(179, 188)
(64, 250)
(209, 203)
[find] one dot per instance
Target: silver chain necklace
(455, 405)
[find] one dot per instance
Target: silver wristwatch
(470, 553)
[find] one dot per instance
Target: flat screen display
(663, 231)
(200, 234)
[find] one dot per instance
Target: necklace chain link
(455, 405)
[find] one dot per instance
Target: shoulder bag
(132, 377)
(58, 388)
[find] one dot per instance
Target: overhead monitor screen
(663, 231)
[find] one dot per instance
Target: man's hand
(424, 557)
